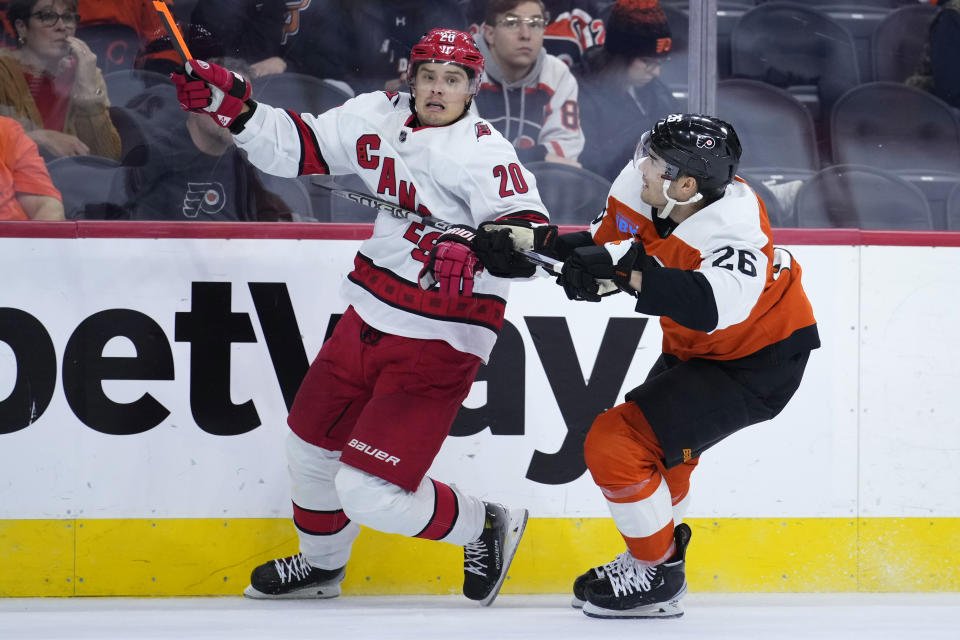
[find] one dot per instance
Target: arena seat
(571, 195)
(899, 40)
(775, 129)
(91, 187)
(798, 48)
(299, 92)
(854, 196)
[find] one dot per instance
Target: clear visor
(642, 152)
(472, 85)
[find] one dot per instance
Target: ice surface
(548, 617)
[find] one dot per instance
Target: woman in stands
(51, 83)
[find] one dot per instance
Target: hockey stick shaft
(178, 42)
(433, 222)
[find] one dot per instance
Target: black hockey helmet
(703, 147)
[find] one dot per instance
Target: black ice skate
(291, 578)
(580, 584)
(487, 559)
(628, 590)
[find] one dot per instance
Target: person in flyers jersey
(424, 310)
(692, 242)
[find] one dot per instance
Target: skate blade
(577, 603)
(671, 609)
(313, 592)
(518, 522)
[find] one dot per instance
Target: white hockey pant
(320, 482)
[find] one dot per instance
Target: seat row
(839, 196)
(817, 50)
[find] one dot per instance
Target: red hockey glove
(452, 263)
(211, 89)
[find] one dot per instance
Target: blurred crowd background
(848, 111)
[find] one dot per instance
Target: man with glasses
(621, 92)
(527, 94)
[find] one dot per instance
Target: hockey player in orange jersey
(692, 242)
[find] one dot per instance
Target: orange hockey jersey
(759, 301)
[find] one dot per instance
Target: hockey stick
(548, 263)
(178, 42)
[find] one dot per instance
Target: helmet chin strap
(663, 213)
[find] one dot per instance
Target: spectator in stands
(364, 44)
(250, 30)
(51, 83)
(621, 95)
(527, 94)
(26, 192)
(573, 26)
(939, 72)
(160, 56)
(195, 172)
(139, 15)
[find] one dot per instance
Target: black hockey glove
(497, 241)
(567, 242)
(596, 271)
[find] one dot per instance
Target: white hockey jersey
(464, 173)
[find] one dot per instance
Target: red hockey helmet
(449, 46)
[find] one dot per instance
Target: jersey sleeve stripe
(528, 216)
(311, 159)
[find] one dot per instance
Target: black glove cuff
(241, 120)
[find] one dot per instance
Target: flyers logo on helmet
(482, 129)
(706, 142)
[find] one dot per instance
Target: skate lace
(474, 554)
(292, 568)
(626, 576)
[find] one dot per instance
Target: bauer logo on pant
(379, 454)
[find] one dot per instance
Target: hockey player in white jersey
(424, 310)
(692, 242)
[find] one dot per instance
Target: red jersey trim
(527, 216)
(445, 513)
(311, 159)
(479, 309)
(319, 523)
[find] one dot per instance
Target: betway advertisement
(146, 377)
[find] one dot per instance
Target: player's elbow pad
(685, 297)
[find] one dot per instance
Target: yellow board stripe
(192, 557)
